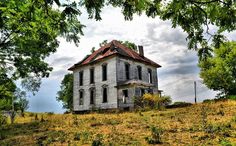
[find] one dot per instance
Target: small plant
(42, 119)
(225, 142)
(156, 136)
(31, 114)
(75, 120)
(3, 120)
(77, 136)
(221, 112)
(98, 140)
(50, 113)
(36, 117)
(204, 118)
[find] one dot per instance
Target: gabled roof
(113, 48)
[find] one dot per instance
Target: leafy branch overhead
(29, 29)
(195, 17)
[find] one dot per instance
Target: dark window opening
(81, 74)
(139, 72)
(81, 96)
(150, 91)
(104, 72)
(92, 95)
(104, 95)
(142, 91)
(125, 95)
(127, 68)
(91, 75)
(150, 75)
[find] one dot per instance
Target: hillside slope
(201, 124)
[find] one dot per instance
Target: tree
(29, 31)
(193, 16)
(219, 70)
(126, 43)
(66, 92)
(22, 103)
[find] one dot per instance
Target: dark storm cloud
(179, 70)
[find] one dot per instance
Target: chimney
(140, 50)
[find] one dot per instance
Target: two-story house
(111, 77)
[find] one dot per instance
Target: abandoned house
(111, 77)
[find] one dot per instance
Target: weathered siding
(115, 74)
(98, 85)
(134, 72)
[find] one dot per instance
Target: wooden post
(195, 92)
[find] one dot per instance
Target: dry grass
(181, 126)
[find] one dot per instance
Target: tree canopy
(65, 95)
(219, 70)
(29, 29)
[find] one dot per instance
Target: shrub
(50, 113)
(233, 97)
(156, 136)
(208, 101)
(179, 104)
(98, 140)
(77, 136)
(3, 120)
(31, 114)
(153, 101)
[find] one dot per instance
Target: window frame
(150, 80)
(81, 97)
(127, 71)
(139, 68)
(92, 75)
(92, 96)
(104, 98)
(81, 78)
(104, 73)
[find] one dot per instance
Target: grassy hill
(201, 124)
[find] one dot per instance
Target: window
(92, 95)
(81, 97)
(150, 75)
(127, 68)
(104, 72)
(91, 75)
(125, 95)
(139, 72)
(81, 74)
(142, 91)
(104, 94)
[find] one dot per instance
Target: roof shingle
(113, 48)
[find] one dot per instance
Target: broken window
(127, 68)
(150, 75)
(139, 72)
(104, 72)
(91, 75)
(81, 74)
(125, 95)
(81, 97)
(104, 94)
(142, 91)
(92, 95)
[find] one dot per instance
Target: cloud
(162, 43)
(61, 60)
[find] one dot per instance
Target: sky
(163, 44)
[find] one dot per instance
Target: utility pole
(195, 92)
